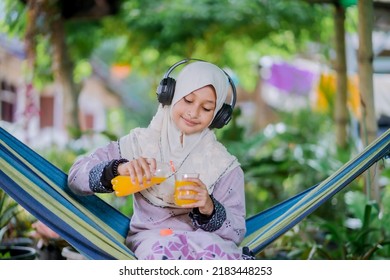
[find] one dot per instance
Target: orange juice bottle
(123, 186)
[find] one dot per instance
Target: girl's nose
(193, 113)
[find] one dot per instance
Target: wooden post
(62, 65)
(365, 60)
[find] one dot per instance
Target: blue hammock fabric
(89, 224)
(98, 231)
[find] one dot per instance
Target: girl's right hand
(138, 169)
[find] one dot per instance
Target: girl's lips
(189, 122)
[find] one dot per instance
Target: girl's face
(195, 111)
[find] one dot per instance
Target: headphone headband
(169, 71)
(166, 89)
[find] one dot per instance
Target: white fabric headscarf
(199, 152)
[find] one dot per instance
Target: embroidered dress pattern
(216, 221)
(94, 178)
(179, 249)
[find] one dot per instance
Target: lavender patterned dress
(190, 235)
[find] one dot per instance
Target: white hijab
(200, 152)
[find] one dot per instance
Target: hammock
(98, 231)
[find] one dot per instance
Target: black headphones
(166, 90)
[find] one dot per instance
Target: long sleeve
(79, 174)
(230, 213)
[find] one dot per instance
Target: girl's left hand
(204, 201)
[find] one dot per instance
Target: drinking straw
(172, 166)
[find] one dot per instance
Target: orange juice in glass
(123, 186)
(181, 180)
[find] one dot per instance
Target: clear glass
(181, 180)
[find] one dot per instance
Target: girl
(214, 225)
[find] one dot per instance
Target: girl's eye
(187, 100)
(207, 109)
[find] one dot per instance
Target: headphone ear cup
(223, 116)
(165, 91)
